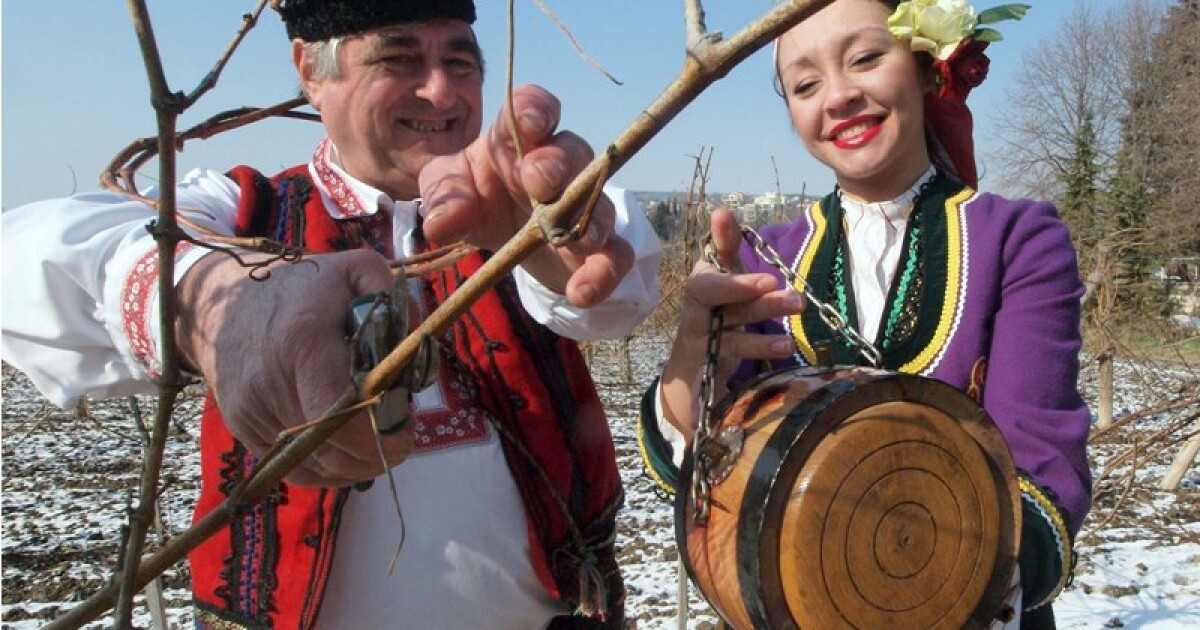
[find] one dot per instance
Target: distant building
(734, 200)
(769, 201)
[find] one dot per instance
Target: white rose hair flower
(939, 26)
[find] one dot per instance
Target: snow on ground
(66, 484)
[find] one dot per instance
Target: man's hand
(482, 195)
(275, 354)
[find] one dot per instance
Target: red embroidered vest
(269, 567)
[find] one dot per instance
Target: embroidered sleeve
(1033, 363)
(658, 453)
(1046, 556)
(78, 303)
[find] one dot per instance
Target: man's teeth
(425, 126)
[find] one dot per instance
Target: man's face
(406, 93)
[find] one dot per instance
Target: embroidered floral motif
(902, 320)
(137, 291)
(447, 414)
(339, 191)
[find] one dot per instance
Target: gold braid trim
(1062, 537)
(644, 452)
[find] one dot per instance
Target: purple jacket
(986, 298)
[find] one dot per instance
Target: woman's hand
(746, 298)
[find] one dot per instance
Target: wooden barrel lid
(897, 506)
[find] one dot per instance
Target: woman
(969, 288)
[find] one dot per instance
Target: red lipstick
(862, 129)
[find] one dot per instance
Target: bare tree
(1060, 85)
(1168, 95)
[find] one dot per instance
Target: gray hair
(323, 57)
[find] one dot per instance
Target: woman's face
(855, 94)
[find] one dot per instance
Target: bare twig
(508, 81)
(1163, 407)
(34, 421)
(118, 175)
(1120, 500)
(571, 38)
(697, 32)
(140, 518)
(210, 80)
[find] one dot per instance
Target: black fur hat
(317, 20)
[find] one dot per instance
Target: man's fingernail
(532, 121)
(781, 347)
(587, 293)
(795, 300)
(552, 170)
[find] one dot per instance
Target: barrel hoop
(753, 515)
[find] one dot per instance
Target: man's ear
(304, 71)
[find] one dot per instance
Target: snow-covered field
(67, 480)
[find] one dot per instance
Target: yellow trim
(954, 279)
(654, 476)
(1061, 534)
(816, 213)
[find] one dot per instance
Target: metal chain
(828, 314)
(701, 485)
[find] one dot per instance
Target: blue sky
(75, 92)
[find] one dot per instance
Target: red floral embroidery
(136, 292)
(446, 414)
(456, 420)
(334, 184)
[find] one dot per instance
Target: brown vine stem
(553, 17)
(706, 62)
(118, 175)
(697, 32)
(210, 80)
(1172, 405)
(1116, 508)
(170, 383)
(508, 80)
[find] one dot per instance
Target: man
(508, 486)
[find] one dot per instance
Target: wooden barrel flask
(860, 498)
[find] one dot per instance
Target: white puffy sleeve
(80, 297)
(629, 304)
